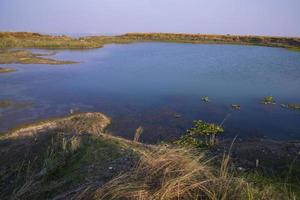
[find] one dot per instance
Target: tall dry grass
(174, 173)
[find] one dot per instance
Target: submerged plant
(205, 99)
(268, 100)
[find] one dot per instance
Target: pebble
(240, 169)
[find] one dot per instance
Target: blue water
(147, 84)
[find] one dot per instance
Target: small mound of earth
(60, 158)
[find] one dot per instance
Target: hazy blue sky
(261, 17)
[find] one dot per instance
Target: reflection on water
(149, 84)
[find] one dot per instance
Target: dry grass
(292, 43)
(179, 173)
(163, 172)
(173, 174)
(35, 40)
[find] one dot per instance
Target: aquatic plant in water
(205, 99)
(292, 106)
(201, 128)
(268, 100)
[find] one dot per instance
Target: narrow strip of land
(27, 57)
(291, 43)
(36, 40)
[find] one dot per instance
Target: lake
(149, 84)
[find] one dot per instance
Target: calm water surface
(148, 84)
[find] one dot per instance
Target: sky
(243, 17)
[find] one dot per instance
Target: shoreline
(80, 156)
(27, 40)
(28, 57)
(36, 40)
(238, 146)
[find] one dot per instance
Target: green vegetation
(6, 70)
(268, 100)
(75, 158)
(27, 57)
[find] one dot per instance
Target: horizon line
(123, 33)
